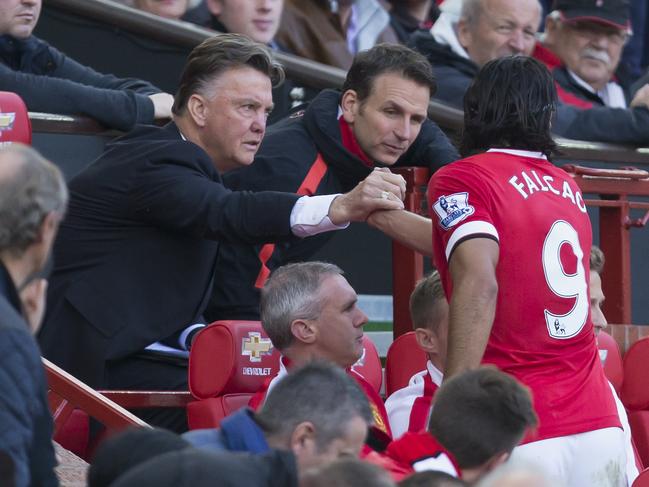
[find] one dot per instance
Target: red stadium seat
(635, 395)
(404, 359)
(14, 119)
(228, 363)
(611, 360)
(642, 480)
(369, 365)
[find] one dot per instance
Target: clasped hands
(381, 190)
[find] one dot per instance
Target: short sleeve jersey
(542, 333)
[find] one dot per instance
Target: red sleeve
(460, 208)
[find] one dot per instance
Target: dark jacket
(25, 420)
(405, 25)
(238, 432)
(601, 124)
(134, 258)
(199, 468)
(310, 29)
(49, 81)
(288, 151)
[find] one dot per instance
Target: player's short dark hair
(431, 478)
(510, 104)
(217, 54)
(425, 299)
(481, 413)
(320, 393)
(388, 58)
(597, 259)
(347, 472)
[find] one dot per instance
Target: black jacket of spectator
(198, 468)
(404, 24)
(601, 124)
(49, 81)
(288, 151)
(25, 420)
(135, 255)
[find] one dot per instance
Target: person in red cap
(582, 47)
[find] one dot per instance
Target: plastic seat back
(635, 395)
(14, 119)
(369, 365)
(404, 360)
(228, 363)
(609, 352)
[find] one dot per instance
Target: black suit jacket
(135, 256)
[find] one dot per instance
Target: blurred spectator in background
(127, 449)
(49, 81)
(333, 31)
(582, 46)
(490, 29)
(408, 16)
(599, 323)
(33, 198)
(193, 467)
(431, 478)
(408, 408)
(518, 474)
(317, 412)
(169, 9)
(259, 20)
(347, 472)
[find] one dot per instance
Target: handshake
(381, 190)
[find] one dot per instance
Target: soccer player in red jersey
(511, 240)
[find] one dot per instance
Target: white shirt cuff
(310, 216)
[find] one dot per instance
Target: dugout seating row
(231, 360)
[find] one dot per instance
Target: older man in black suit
(134, 260)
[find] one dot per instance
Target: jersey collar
(521, 153)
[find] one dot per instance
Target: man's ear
(464, 33)
(215, 7)
(426, 340)
(47, 230)
(197, 109)
(303, 438)
(305, 331)
(551, 27)
(349, 104)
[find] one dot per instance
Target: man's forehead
(522, 12)
(243, 81)
(394, 87)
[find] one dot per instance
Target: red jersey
(542, 333)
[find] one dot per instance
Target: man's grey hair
(320, 393)
(291, 293)
(27, 195)
(471, 11)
